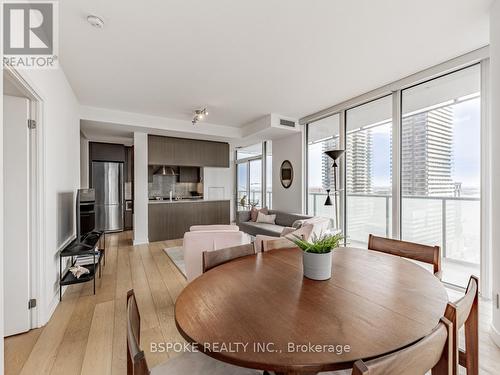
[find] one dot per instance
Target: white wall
(84, 161)
(60, 125)
(1, 206)
(495, 165)
(141, 188)
(288, 148)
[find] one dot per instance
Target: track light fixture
(199, 114)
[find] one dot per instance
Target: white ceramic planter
(317, 266)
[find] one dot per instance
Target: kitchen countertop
(186, 201)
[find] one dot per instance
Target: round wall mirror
(286, 174)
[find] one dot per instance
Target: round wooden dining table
(260, 311)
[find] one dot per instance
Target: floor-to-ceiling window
(322, 135)
(369, 170)
(412, 166)
(441, 169)
(250, 176)
(269, 174)
(242, 186)
(255, 192)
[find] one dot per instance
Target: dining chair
(410, 250)
(193, 363)
(215, 258)
(265, 243)
(433, 352)
(464, 312)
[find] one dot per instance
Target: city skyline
(465, 152)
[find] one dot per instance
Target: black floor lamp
(334, 155)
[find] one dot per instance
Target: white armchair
(314, 226)
(208, 238)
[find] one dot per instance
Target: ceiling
(246, 59)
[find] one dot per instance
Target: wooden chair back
(136, 361)
(465, 311)
(410, 250)
(215, 258)
(278, 243)
(433, 352)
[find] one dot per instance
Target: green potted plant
(317, 254)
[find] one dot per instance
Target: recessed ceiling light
(95, 21)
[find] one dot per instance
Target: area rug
(176, 255)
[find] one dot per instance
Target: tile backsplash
(162, 185)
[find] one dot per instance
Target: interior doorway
(21, 205)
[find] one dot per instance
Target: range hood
(165, 171)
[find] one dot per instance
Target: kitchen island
(169, 220)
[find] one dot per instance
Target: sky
(466, 152)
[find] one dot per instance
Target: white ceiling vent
(289, 123)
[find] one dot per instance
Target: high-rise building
(326, 163)
(359, 161)
(427, 140)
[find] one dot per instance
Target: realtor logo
(30, 34)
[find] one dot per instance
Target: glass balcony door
(322, 135)
(369, 171)
(249, 177)
(441, 170)
(242, 186)
(255, 192)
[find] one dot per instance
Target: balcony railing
(450, 222)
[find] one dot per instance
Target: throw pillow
(298, 223)
(262, 218)
(255, 212)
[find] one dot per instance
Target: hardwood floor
(86, 334)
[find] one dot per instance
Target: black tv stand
(87, 246)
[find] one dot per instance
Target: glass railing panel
(463, 231)
(422, 221)
(368, 215)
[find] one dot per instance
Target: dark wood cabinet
(106, 152)
(216, 154)
(187, 152)
(168, 221)
(189, 174)
(129, 222)
(129, 164)
(160, 150)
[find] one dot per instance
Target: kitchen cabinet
(160, 150)
(129, 164)
(187, 152)
(170, 220)
(106, 152)
(129, 220)
(189, 174)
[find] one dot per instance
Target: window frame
(395, 89)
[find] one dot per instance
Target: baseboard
(52, 307)
(140, 241)
(495, 335)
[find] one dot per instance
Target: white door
(16, 215)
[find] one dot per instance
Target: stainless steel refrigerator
(107, 180)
